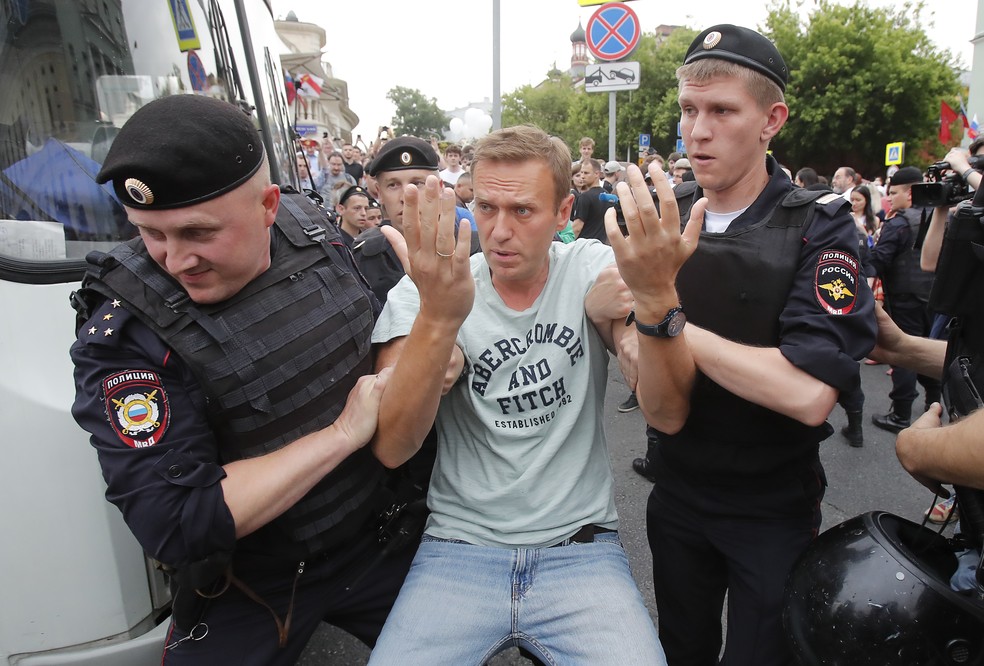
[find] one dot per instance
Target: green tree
(548, 105)
(416, 114)
(560, 109)
(653, 108)
(859, 78)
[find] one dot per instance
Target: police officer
(400, 162)
(220, 371)
(403, 161)
(750, 318)
(907, 289)
(353, 211)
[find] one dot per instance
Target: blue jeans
(575, 604)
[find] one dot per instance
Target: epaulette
(105, 327)
(685, 189)
(370, 243)
(831, 204)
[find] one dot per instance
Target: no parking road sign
(613, 32)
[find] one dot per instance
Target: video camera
(944, 190)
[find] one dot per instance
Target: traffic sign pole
(612, 34)
(611, 126)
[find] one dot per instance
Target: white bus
(75, 587)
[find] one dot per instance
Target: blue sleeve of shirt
(168, 485)
(825, 345)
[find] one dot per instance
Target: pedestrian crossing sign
(893, 153)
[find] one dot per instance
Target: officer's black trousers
(242, 632)
(707, 540)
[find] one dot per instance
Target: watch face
(676, 324)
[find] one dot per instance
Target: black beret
(351, 192)
(406, 152)
(182, 150)
(906, 176)
(742, 46)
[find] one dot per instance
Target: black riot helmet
(875, 590)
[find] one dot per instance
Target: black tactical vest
(276, 361)
(736, 284)
(904, 276)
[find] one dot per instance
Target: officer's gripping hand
(357, 422)
(908, 443)
(651, 255)
(890, 338)
(609, 297)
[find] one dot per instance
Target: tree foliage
(416, 114)
(859, 78)
(571, 113)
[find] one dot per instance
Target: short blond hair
(759, 86)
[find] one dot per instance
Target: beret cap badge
(405, 152)
(139, 191)
(711, 40)
(192, 148)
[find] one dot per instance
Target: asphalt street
(864, 479)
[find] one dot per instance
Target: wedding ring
(442, 255)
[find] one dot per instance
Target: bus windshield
(73, 73)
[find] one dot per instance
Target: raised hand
(438, 261)
(655, 249)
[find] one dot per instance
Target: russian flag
(290, 86)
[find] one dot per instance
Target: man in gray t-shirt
(521, 546)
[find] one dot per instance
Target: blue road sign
(613, 31)
(643, 141)
(680, 148)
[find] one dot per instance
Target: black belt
(584, 535)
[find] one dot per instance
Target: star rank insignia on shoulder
(105, 323)
(836, 283)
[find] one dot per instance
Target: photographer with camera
(959, 161)
(896, 261)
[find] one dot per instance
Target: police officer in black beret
(222, 371)
(907, 288)
(353, 209)
(400, 162)
(751, 314)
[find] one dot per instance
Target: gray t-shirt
(522, 459)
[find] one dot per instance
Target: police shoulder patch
(836, 283)
(137, 407)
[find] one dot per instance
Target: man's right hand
(439, 263)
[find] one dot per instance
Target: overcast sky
(444, 49)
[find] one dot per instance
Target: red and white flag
(310, 85)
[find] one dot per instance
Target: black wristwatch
(670, 327)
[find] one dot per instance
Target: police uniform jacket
(153, 421)
(784, 274)
(896, 261)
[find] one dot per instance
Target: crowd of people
(395, 425)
